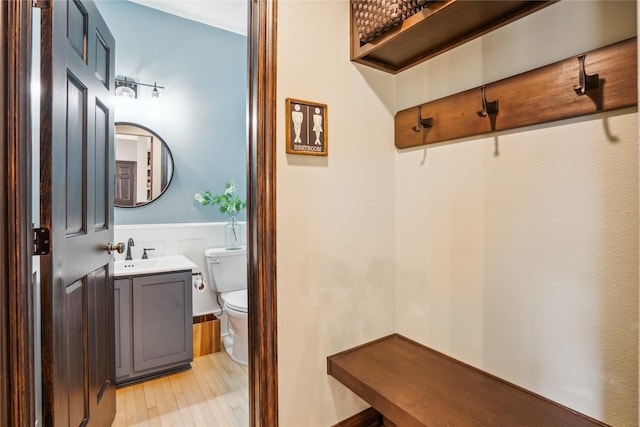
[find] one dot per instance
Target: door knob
(115, 247)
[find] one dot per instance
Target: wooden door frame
(261, 214)
(17, 393)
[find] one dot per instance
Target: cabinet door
(162, 321)
(122, 316)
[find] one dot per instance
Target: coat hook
(422, 123)
(488, 108)
(587, 82)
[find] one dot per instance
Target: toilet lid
(236, 300)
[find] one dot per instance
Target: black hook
(422, 123)
(488, 108)
(587, 82)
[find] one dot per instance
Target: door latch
(41, 241)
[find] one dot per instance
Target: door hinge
(41, 241)
(40, 4)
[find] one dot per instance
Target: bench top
(413, 385)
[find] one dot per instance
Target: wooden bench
(413, 385)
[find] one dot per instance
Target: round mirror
(144, 165)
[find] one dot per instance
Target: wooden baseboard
(367, 418)
(206, 335)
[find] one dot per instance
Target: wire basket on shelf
(375, 17)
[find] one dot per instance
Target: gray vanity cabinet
(153, 325)
(122, 317)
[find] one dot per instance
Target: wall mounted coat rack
(601, 80)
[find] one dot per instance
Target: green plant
(229, 202)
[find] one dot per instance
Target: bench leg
(387, 423)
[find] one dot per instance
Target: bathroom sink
(159, 264)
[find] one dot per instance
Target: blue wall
(201, 114)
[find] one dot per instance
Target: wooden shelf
(440, 26)
(413, 385)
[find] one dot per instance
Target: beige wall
(521, 256)
(523, 263)
(335, 214)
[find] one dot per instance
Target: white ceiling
(230, 15)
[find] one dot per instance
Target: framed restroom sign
(306, 127)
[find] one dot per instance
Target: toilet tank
(227, 269)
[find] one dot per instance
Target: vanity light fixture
(129, 88)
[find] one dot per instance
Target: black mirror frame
(173, 165)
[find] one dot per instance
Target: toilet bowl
(236, 343)
(227, 269)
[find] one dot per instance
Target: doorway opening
(17, 390)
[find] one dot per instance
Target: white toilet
(227, 270)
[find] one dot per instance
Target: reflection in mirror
(144, 165)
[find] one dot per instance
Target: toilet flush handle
(216, 261)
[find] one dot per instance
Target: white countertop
(161, 264)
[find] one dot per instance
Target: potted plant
(231, 204)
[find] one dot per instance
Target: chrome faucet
(129, 244)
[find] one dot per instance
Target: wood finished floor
(214, 392)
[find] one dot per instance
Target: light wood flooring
(214, 392)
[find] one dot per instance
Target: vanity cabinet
(153, 320)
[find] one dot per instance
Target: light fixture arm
(138, 83)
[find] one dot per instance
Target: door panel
(76, 366)
(101, 338)
(102, 59)
(77, 27)
(76, 158)
(77, 205)
(101, 167)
